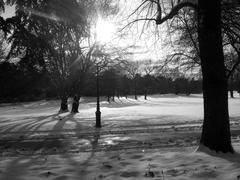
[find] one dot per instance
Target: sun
(104, 31)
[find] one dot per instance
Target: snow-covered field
(140, 139)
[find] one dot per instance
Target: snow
(164, 164)
(140, 139)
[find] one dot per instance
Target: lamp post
(98, 112)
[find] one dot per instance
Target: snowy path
(105, 139)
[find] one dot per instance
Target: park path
(105, 139)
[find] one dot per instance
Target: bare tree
(148, 67)
(187, 43)
(133, 70)
(79, 69)
(51, 31)
(216, 129)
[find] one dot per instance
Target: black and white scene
(119, 89)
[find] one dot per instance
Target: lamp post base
(98, 119)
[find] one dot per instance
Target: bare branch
(136, 20)
(138, 8)
(174, 10)
(230, 72)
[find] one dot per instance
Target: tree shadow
(32, 124)
(83, 165)
(28, 137)
(235, 158)
(231, 157)
(35, 140)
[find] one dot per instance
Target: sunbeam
(51, 16)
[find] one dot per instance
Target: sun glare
(104, 31)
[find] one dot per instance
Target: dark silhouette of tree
(79, 70)
(125, 86)
(50, 31)
(214, 78)
(231, 34)
(163, 84)
(181, 85)
(216, 129)
(148, 69)
(187, 52)
(109, 83)
(133, 71)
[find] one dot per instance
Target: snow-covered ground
(158, 109)
(140, 139)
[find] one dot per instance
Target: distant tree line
(20, 83)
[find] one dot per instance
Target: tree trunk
(231, 93)
(108, 98)
(216, 129)
(135, 90)
(230, 86)
(188, 89)
(176, 89)
(64, 104)
(145, 94)
(75, 104)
